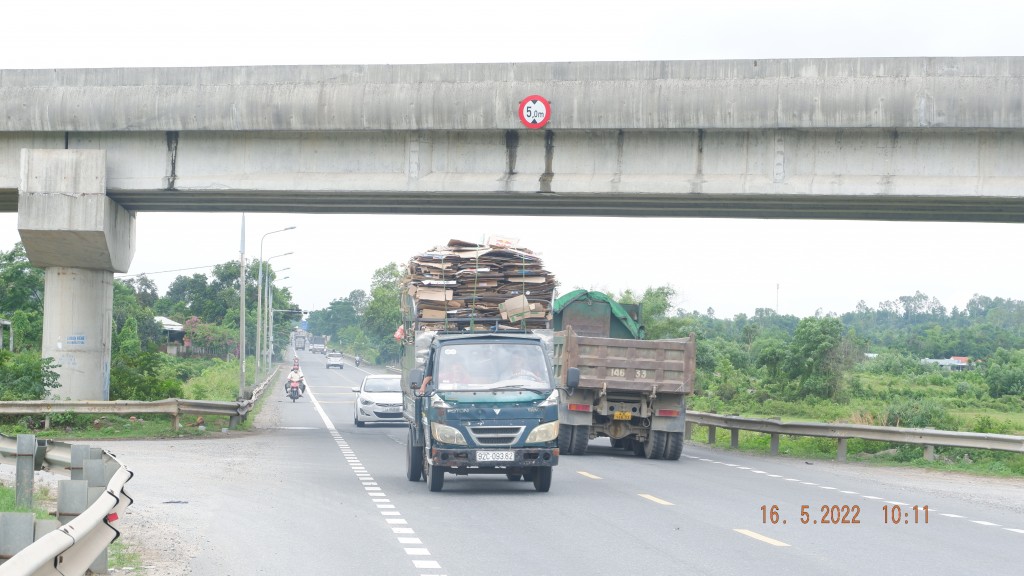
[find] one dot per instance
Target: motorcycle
(358, 360)
(295, 386)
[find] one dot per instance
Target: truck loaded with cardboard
(478, 387)
(630, 390)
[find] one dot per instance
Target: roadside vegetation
(863, 366)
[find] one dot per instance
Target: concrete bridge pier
(81, 237)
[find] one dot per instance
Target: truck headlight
(447, 435)
(544, 433)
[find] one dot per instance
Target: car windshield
(492, 366)
(387, 384)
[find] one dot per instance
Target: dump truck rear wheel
(674, 446)
(580, 439)
(654, 448)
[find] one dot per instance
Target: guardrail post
(687, 430)
(734, 439)
(25, 470)
(929, 452)
(44, 527)
(775, 444)
(841, 450)
(175, 422)
(72, 499)
(79, 454)
(711, 434)
(17, 529)
(96, 476)
(234, 421)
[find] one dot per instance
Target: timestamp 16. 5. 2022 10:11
(845, 514)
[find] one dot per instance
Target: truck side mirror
(572, 378)
(415, 378)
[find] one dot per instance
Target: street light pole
(266, 284)
(270, 308)
(268, 288)
(259, 294)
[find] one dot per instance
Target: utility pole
(241, 313)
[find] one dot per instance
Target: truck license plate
(486, 456)
(622, 415)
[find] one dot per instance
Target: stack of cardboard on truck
(494, 281)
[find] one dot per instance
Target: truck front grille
(495, 435)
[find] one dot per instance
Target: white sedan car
(379, 400)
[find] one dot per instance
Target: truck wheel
(580, 439)
(435, 477)
(654, 448)
(542, 478)
(636, 446)
(674, 446)
(565, 438)
(413, 460)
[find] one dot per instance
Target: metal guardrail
(842, 432)
(74, 546)
(172, 406)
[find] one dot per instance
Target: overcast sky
(731, 266)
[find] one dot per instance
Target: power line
(167, 271)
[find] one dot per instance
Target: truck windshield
(492, 366)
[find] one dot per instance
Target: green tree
(818, 355)
(382, 315)
(26, 376)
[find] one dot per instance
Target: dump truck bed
(622, 365)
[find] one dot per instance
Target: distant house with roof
(174, 333)
(955, 363)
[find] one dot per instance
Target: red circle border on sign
(522, 107)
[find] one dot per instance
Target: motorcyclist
(358, 360)
(295, 376)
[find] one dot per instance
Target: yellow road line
(757, 536)
(587, 474)
(656, 500)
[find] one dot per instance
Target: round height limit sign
(534, 112)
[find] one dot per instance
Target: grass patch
(122, 557)
(8, 498)
(978, 462)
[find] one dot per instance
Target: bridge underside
(923, 174)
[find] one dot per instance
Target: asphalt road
(310, 493)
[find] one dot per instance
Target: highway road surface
(307, 492)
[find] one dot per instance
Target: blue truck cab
(480, 403)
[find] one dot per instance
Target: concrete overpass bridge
(81, 151)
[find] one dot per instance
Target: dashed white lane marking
(588, 475)
(893, 502)
(757, 536)
(372, 489)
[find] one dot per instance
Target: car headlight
(544, 433)
(446, 434)
(365, 402)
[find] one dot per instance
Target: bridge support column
(81, 237)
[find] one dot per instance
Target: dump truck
(300, 342)
(318, 344)
(479, 393)
(630, 390)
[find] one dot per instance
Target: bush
(26, 376)
(914, 413)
